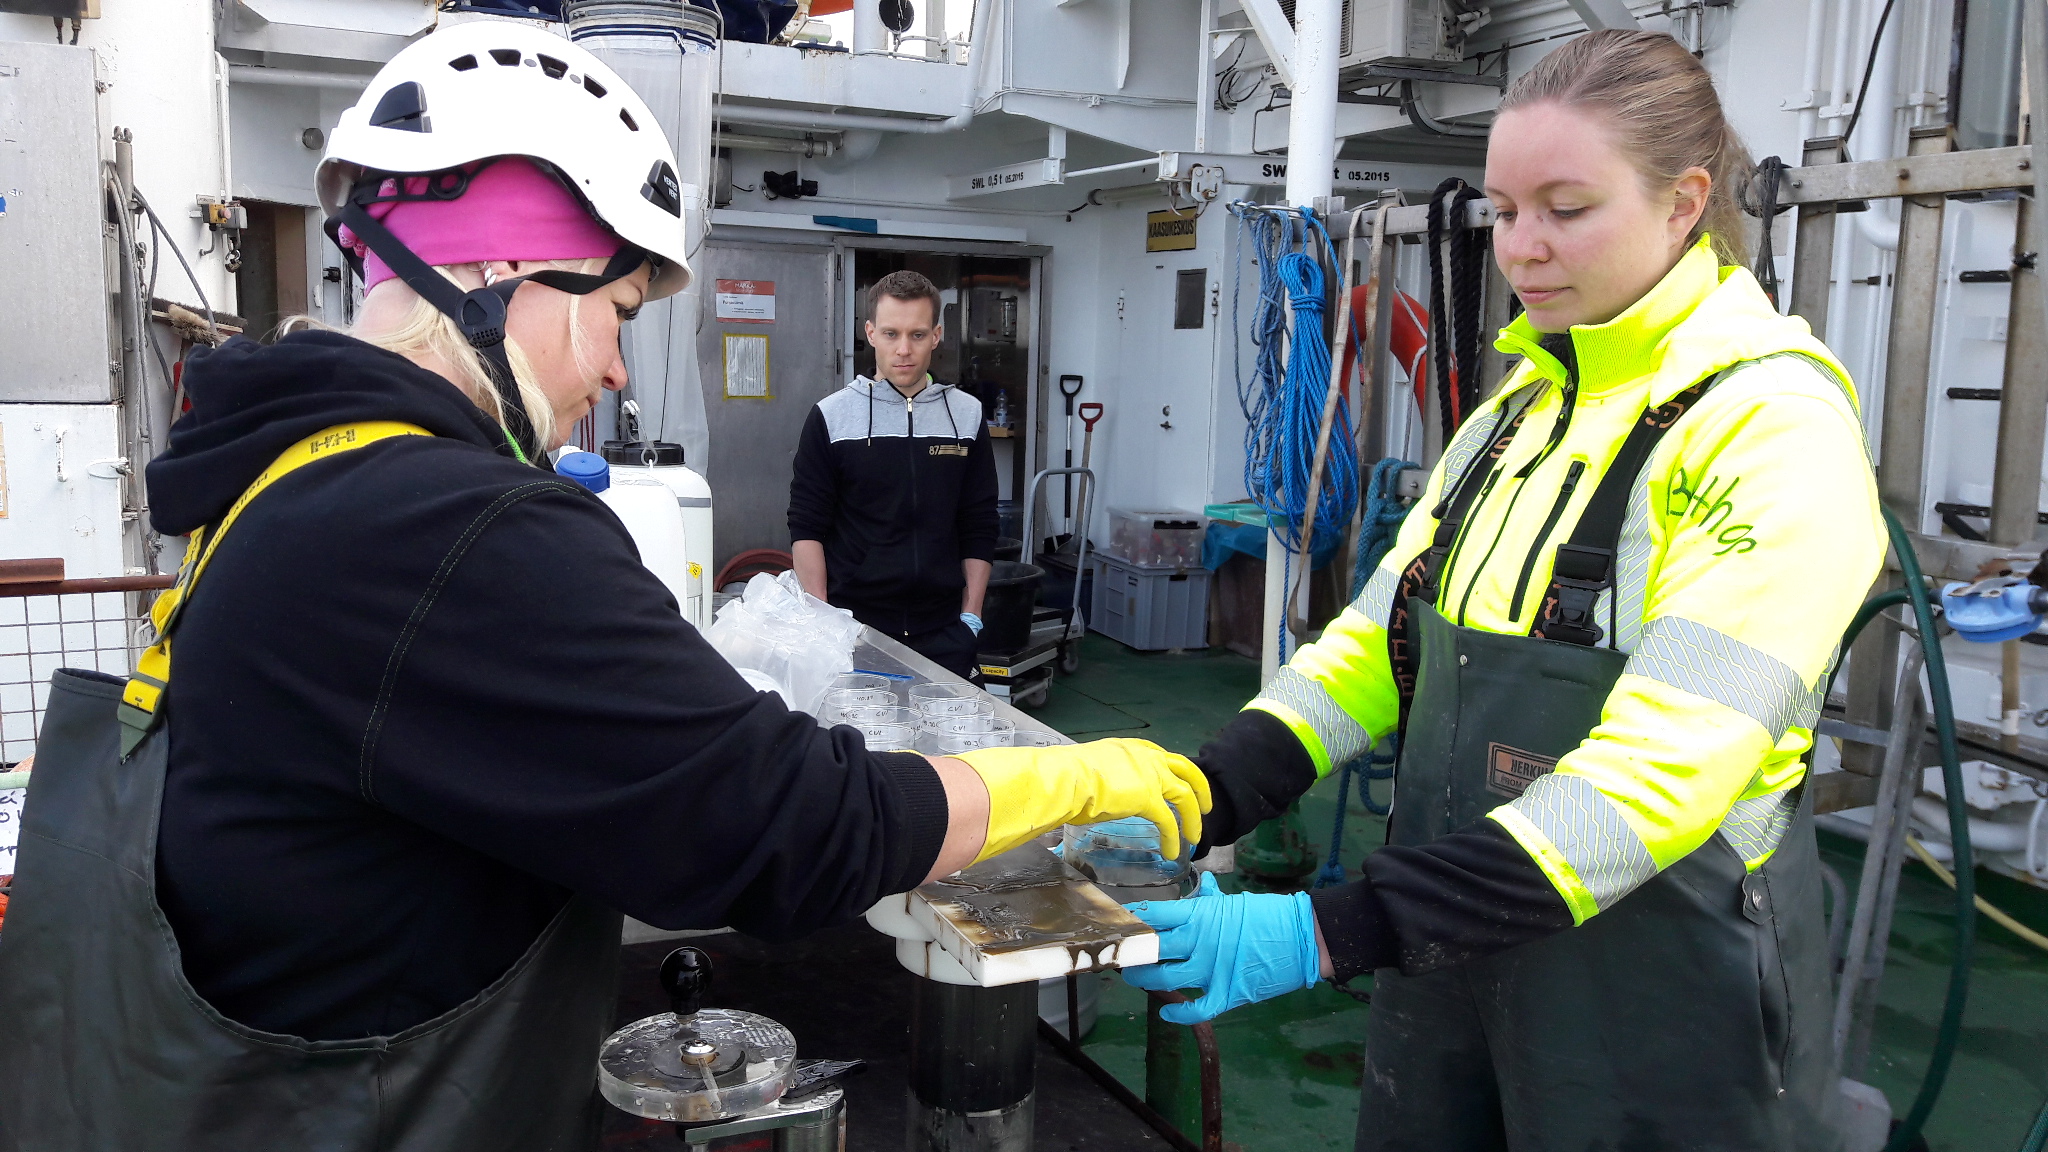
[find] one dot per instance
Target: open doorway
(272, 285)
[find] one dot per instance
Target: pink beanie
(511, 211)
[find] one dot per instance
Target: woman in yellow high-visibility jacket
(1603, 634)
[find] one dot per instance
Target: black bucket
(1009, 548)
(1006, 610)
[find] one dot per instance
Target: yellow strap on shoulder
(153, 669)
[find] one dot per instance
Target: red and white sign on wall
(746, 301)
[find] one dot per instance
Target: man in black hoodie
(892, 508)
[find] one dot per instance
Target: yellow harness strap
(153, 670)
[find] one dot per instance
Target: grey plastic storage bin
(1150, 608)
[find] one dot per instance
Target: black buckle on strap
(1578, 578)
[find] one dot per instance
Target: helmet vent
(463, 63)
(628, 118)
(553, 67)
(594, 87)
(509, 57)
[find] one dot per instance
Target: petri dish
(863, 680)
(936, 712)
(1122, 857)
(844, 698)
(878, 714)
(889, 737)
(947, 699)
(713, 1065)
(1025, 738)
(981, 722)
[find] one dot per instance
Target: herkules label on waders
(1509, 771)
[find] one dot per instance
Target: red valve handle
(1089, 418)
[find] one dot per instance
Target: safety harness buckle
(1579, 576)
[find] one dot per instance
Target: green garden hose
(1950, 1031)
(2037, 1136)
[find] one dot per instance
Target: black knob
(686, 975)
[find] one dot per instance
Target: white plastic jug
(650, 513)
(648, 509)
(663, 461)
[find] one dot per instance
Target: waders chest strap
(139, 709)
(1584, 567)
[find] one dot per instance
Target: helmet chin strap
(480, 314)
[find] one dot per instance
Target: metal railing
(97, 624)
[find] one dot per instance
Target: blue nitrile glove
(1238, 949)
(972, 621)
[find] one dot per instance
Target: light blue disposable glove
(1238, 949)
(972, 621)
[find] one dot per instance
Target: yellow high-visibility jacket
(1750, 539)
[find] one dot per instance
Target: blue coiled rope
(1381, 521)
(1377, 764)
(1283, 399)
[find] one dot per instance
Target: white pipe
(1985, 835)
(1877, 129)
(1205, 77)
(869, 33)
(1312, 113)
(1123, 167)
(1809, 72)
(807, 148)
(1844, 87)
(839, 121)
(1311, 161)
(295, 78)
(1933, 68)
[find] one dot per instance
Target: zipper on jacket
(1564, 497)
(916, 525)
(1558, 429)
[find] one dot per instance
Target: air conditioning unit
(1423, 33)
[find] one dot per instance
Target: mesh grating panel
(94, 627)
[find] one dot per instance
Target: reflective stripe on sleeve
(1713, 665)
(1580, 840)
(1328, 732)
(1756, 826)
(1376, 603)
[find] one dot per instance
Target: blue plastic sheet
(1225, 537)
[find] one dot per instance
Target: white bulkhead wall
(160, 79)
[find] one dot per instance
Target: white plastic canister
(662, 461)
(648, 509)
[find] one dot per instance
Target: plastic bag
(778, 631)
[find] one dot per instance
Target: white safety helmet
(491, 88)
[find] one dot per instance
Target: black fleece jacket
(1417, 908)
(424, 693)
(898, 492)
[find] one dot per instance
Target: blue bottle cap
(586, 468)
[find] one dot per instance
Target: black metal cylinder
(972, 1049)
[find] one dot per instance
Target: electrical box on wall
(1425, 32)
(53, 247)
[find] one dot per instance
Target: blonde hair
(424, 331)
(1662, 104)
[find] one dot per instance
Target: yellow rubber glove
(1035, 790)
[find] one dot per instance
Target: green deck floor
(1291, 1066)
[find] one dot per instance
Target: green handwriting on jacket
(1710, 507)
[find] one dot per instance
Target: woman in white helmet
(353, 878)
